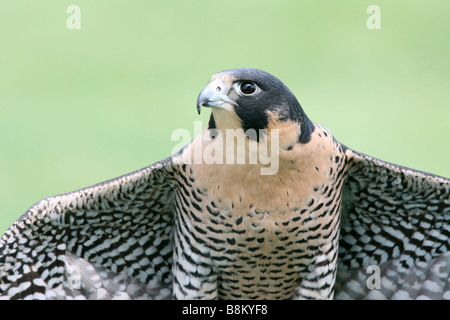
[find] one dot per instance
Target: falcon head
(249, 98)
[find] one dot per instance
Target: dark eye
(247, 87)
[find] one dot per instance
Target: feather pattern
(397, 219)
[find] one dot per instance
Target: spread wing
(395, 232)
(111, 240)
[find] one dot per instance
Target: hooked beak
(214, 95)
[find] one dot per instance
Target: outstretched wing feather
(110, 240)
(397, 221)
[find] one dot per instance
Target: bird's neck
(223, 120)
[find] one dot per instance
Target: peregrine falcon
(265, 204)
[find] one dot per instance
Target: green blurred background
(81, 106)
